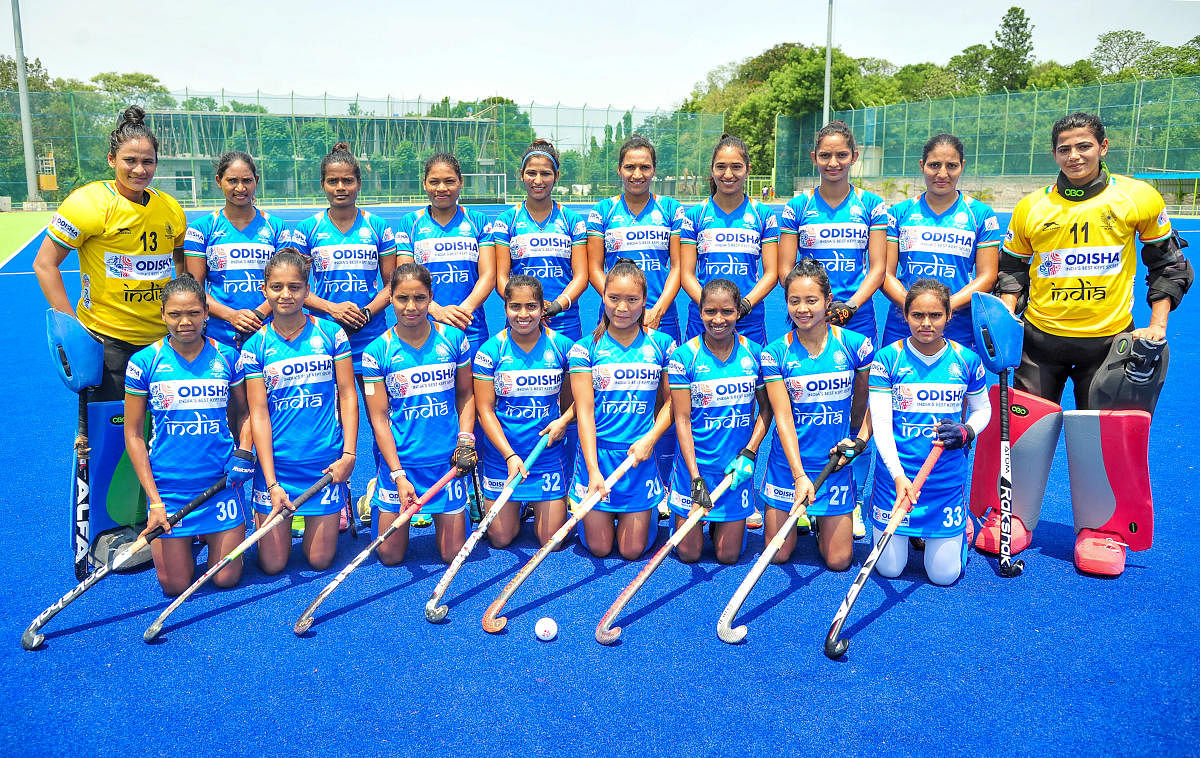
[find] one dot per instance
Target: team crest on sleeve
(864, 349)
(769, 360)
(593, 216)
(368, 361)
(581, 227)
(194, 235)
(66, 227)
(979, 371)
(133, 371)
(991, 224)
(578, 351)
(499, 226)
(1163, 218)
(674, 366)
(481, 359)
(789, 213)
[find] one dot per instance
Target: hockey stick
(606, 634)
(435, 612)
(153, 630)
(305, 621)
(81, 493)
(1008, 568)
(734, 636)
(835, 648)
(32, 638)
(493, 623)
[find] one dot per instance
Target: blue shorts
(452, 498)
(640, 489)
(836, 496)
(222, 511)
(736, 504)
(295, 479)
(938, 513)
(546, 481)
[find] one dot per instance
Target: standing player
(519, 394)
(227, 250)
(303, 412)
(845, 228)
(816, 377)
(622, 401)
(542, 239)
(732, 237)
(943, 235)
(643, 227)
(128, 237)
(1071, 251)
(715, 382)
(418, 387)
(193, 389)
(917, 390)
(455, 244)
(352, 252)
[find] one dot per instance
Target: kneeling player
(917, 388)
(304, 414)
(518, 386)
(716, 383)
(193, 389)
(816, 377)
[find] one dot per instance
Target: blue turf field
(1048, 661)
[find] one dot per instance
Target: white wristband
(397, 473)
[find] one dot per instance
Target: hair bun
(132, 115)
(340, 147)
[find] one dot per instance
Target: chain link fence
(289, 134)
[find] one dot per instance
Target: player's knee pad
(1131, 376)
(1110, 477)
(1034, 426)
(945, 559)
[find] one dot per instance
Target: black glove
(700, 494)
(954, 435)
(1144, 355)
(849, 451)
(553, 308)
(463, 457)
(744, 307)
(839, 313)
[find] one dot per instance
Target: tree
(1011, 56)
(199, 104)
(1119, 50)
(134, 89)
(970, 68)
(237, 107)
(35, 74)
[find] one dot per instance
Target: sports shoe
(988, 539)
(664, 510)
(421, 521)
(364, 502)
(803, 524)
(754, 520)
(297, 526)
(1099, 553)
(860, 529)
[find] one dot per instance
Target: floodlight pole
(26, 119)
(825, 107)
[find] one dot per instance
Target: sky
(544, 52)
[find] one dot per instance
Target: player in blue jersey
(918, 386)
(644, 228)
(193, 388)
(418, 387)
(845, 228)
(455, 244)
(227, 250)
(842, 226)
(542, 239)
(943, 235)
(721, 417)
(520, 394)
(352, 252)
(816, 377)
(641, 226)
(732, 237)
(622, 402)
(304, 414)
